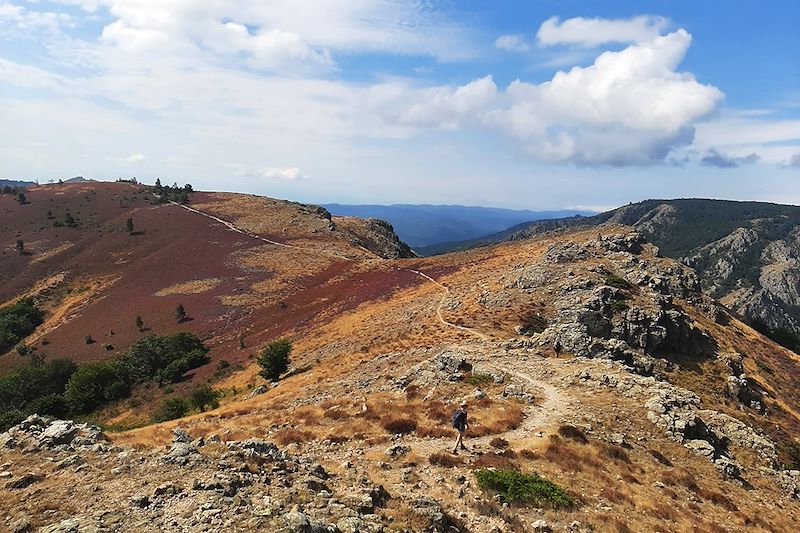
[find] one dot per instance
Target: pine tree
(20, 247)
(180, 313)
(129, 225)
(139, 323)
(21, 199)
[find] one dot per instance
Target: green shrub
(620, 306)
(34, 388)
(480, 379)
(23, 349)
(170, 409)
(618, 282)
(165, 359)
(17, 321)
(94, 384)
(51, 404)
(514, 486)
(204, 396)
(10, 418)
(274, 359)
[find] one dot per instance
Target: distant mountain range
(426, 227)
(16, 183)
(28, 183)
(746, 253)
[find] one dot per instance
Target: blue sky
(547, 104)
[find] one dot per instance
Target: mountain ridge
(755, 275)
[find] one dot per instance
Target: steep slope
(746, 253)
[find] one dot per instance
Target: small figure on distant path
(461, 425)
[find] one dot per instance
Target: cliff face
(756, 276)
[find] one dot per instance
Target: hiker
(461, 425)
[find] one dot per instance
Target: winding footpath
(554, 403)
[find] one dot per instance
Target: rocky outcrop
(37, 432)
(706, 432)
(625, 311)
(375, 235)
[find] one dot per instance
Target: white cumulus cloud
(629, 107)
(512, 43)
(291, 173)
(589, 32)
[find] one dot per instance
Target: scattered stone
(141, 500)
(541, 526)
(20, 525)
(396, 450)
(261, 389)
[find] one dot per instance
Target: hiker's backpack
(458, 419)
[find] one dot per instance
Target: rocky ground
(586, 358)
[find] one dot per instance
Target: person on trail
(461, 425)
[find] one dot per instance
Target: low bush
(445, 460)
(617, 282)
(400, 425)
(615, 452)
(515, 486)
(495, 460)
(203, 397)
(658, 456)
(170, 409)
(534, 323)
(572, 433)
(620, 306)
(497, 442)
(480, 379)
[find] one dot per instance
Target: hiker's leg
(458, 441)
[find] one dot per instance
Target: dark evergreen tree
(129, 226)
(139, 323)
(21, 198)
(274, 359)
(180, 313)
(20, 246)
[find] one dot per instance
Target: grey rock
(350, 524)
(181, 435)
(59, 432)
(20, 525)
(541, 526)
(396, 450)
(25, 481)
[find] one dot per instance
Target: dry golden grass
(47, 254)
(292, 435)
(196, 286)
(445, 460)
